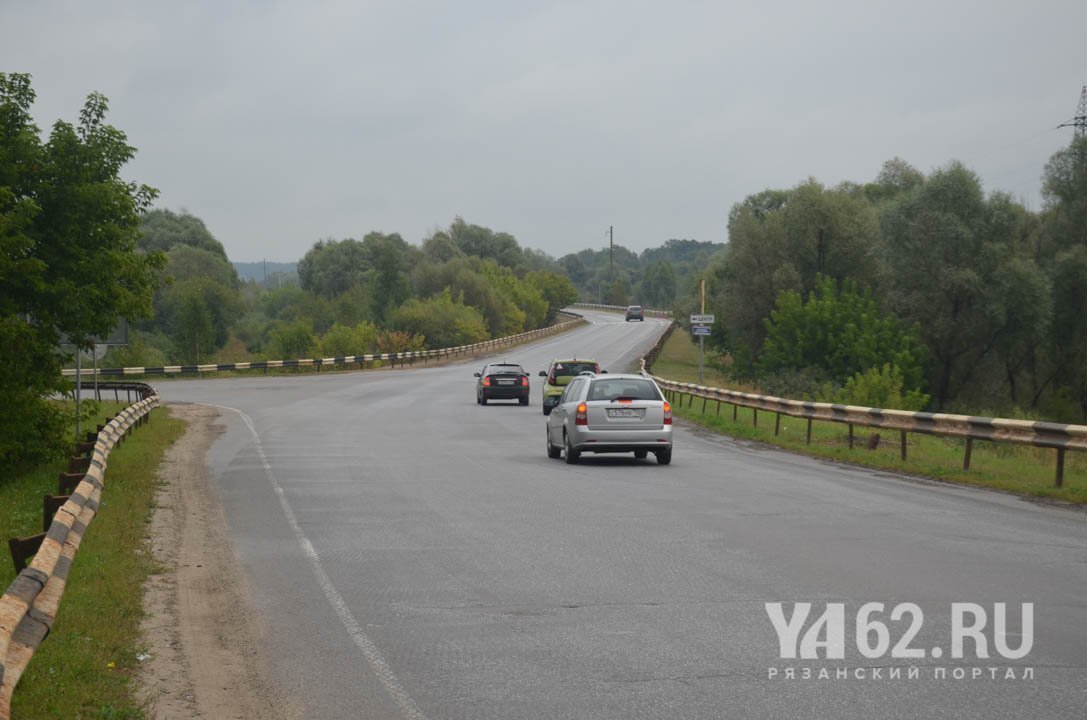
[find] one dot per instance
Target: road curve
(415, 555)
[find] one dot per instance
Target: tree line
(462, 285)
(913, 290)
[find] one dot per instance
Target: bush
(342, 340)
(443, 321)
(879, 388)
(292, 341)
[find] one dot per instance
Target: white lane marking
(373, 656)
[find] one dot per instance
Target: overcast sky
(281, 123)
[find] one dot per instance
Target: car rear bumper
(616, 441)
(513, 392)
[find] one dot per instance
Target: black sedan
(502, 381)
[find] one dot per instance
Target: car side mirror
(475, 374)
(543, 373)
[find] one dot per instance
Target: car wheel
(571, 455)
(664, 457)
(477, 399)
(553, 451)
(641, 454)
(483, 401)
(547, 409)
(524, 401)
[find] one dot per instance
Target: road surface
(414, 555)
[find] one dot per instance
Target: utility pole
(611, 256)
(701, 339)
(1079, 121)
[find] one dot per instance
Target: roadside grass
(84, 667)
(1011, 468)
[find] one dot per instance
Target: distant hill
(256, 270)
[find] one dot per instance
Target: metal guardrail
(1057, 436)
(403, 357)
(29, 606)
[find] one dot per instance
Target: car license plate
(625, 413)
(505, 382)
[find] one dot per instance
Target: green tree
(165, 230)
(1064, 189)
(943, 245)
(331, 267)
(556, 289)
(617, 294)
(344, 340)
(839, 333)
(69, 261)
(292, 341)
(658, 288)
(443, 321)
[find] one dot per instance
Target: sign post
(700, 326)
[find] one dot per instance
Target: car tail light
(524, 381)
(582, 416)
(487, 381)
(667, 414)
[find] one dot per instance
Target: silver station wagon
(610, 414)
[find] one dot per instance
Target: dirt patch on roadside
(202, 638)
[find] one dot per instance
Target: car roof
(622, 376)
(575, 360)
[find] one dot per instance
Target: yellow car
(558, 377)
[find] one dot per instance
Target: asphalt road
(415, 555)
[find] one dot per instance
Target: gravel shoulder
(201, 636)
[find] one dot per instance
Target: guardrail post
(1060, 467)
(809, 431)
(903, 445)
(755, 416)
(735, 410)
(703, 406)
(22, 549)
(50, 505)
(969, 451)
(777, 423)
(690, 399)
(850, 436)
(718, 407)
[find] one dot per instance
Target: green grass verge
(1012, 468)
(84, 668)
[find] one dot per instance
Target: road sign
(702, 319)
(700, 330)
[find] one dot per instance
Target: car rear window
(572, 368)
(615, 388)
(503, 368)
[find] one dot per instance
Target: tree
(331, 267)
(389, 258)
(69, 260)
(556, 289)
(839, 333)
(658, 288)
(1064, 188)
(943, 244)
(442, 320)
(164, 230)
(343, 340)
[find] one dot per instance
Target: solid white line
(373, 656)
